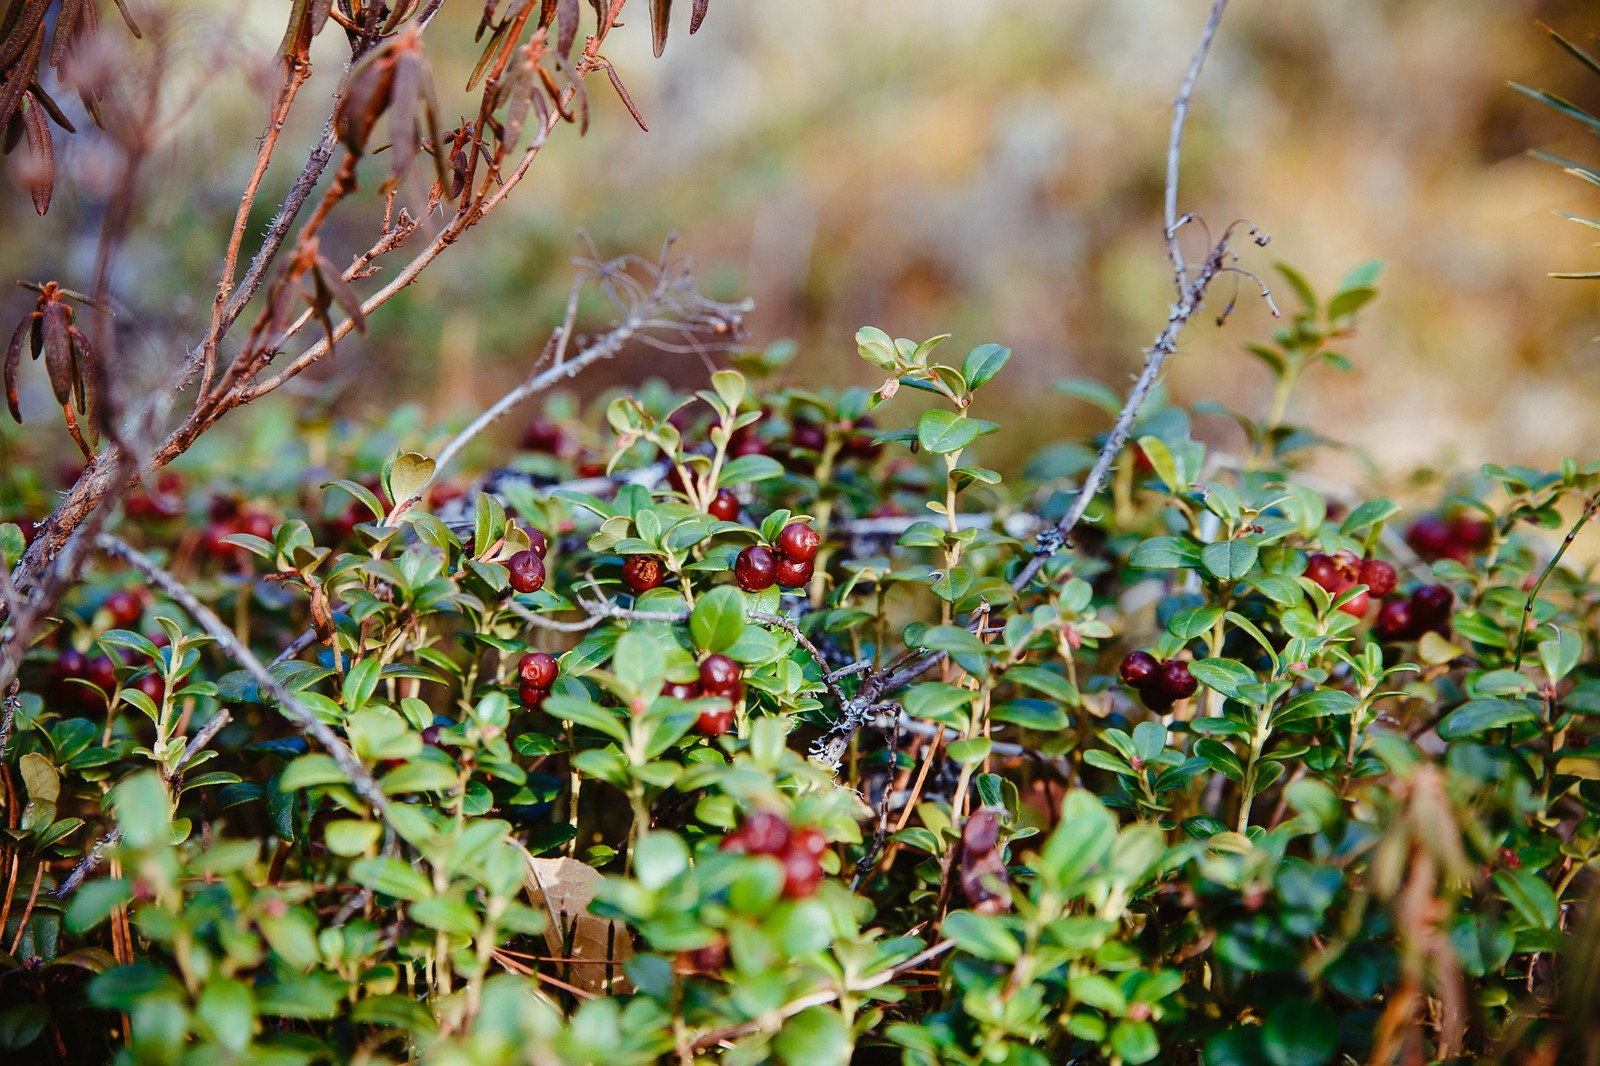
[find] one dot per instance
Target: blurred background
(988, 169)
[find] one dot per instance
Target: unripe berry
(641, 573)
(1139, 669)
(724, 506)
(755, 569)
(538, 668)
(798, 542)
(527, 572)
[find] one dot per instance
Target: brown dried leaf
(627, 101)
(55, 324)
(367, 95)
(86, 373)
(42, 167)
(51, 108)
(565, 888)
(20, 75)
(567, 26)
(984, 878)
(20, 37)
(61, 36)
(660, 12)
(127, 17)
(345, 296)
(697, 15)
(13, 361)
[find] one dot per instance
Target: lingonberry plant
(762, 723)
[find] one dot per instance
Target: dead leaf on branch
(565, 888)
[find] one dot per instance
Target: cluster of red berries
(789, 563)
(536, 672)
(101, 671)
(799, 849)
(228, 518)
(1336, 573)
(1427, 610)
(720, 677)
(1159, 684)
(1460, 538)
(527, 567)
(164, 502)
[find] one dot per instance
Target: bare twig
(360, 777)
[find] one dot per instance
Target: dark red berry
(125, 608)
(431, 735)
(765, 833)
(30, 529)
(794, 575)
(543, 435)
(151, 685)
(1357, 605)
(709, 959)
(1139, 669)
(1378, 576)
(1430, 608)
(531, 695)
(71, 663)
(538, 668)
(802, 873)
(715, 722)
(527, 572)
(749, 444)
(1393, 621)
(1431, 537)
(101, 671)
(256, 524)
(1155, 699)
(724, 506)
(641, 573)
(720, 676)
(537, 543)
(1175, 681)
(1323, 570)
(755, 569)
(808, 436)
(681, 690)
(798, 542)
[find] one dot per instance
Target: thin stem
(1589, 507)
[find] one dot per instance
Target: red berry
(151, 685)
(1393, 621)
(531, 695)
(681, 690)
(538, 668)
(1378, 576)
(715, 722)
(1430, 608)
(1175, 681)
(1431, 537)
(798, 542)
(256, 524)
(101, 671)
(802, 873)
(527, 572)
(765, 833)
(537, 542)
(1155, 699)
(747, 445)
(431, 735)
(125, 608)
(709, 959)
(755, 569)
(1139, 669)
(720, 676)
(543, 435)
(1357, 605)
(724, 506)
(1469, 535)
(793, 575)
(810, 840)
(808, 436)
(641, 573)
(71, 663)
(1324, 571)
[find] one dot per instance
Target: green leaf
(1300, 1032)
(407, 475)
(1135, 1042)
(717, 621)
(1224, 675)
(983, 363)
(1318, 703)
(392, 877)
(310, 771)
(639, 662)
(1477, 717)
(1193, 622)
(747, 468)
(1048, 682)
(1229, 560)
(939, 702)
(228, 1008)
(1164, 553)
(986, 937)
(876, 347)
(1161, 461)
(419, 775)
(940, 431)
(350, 837)
(1081, 840)
(817, 1035)
(1366, 516)
(582, 711)
(1530, 895)
(969, 752)
(143, 810)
